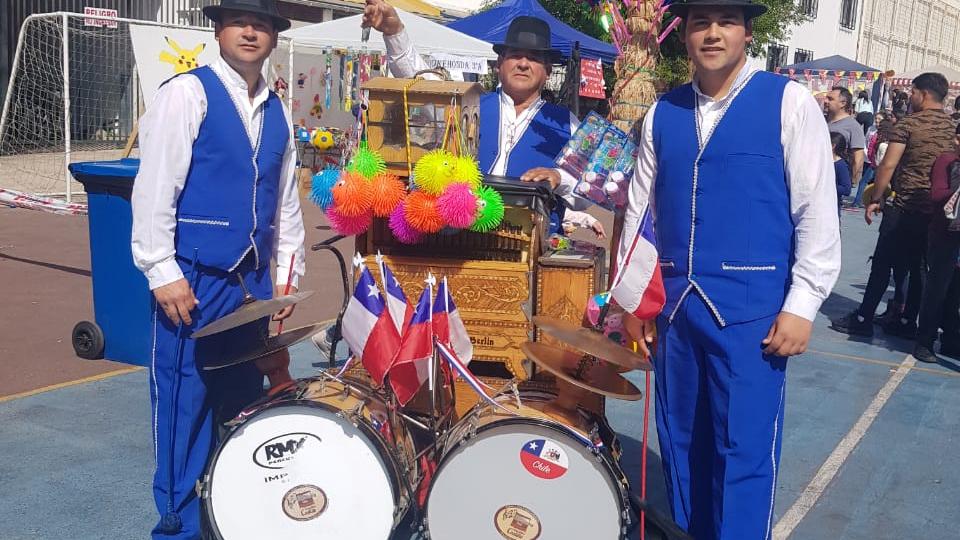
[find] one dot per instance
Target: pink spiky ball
(458, 205)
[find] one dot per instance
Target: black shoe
(854, 324)
(901, 328)
(924, 354)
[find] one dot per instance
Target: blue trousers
(719, 408)
(189, 406)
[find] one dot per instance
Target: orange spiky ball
(388, 191)
(422, 213)
(352, 195)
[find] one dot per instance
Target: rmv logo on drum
(278, 450)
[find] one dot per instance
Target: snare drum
(526, 476)
(323, 460)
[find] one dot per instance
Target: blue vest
(229, 203)
(724, 228)
(539, 145)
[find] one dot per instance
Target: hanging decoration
(321, 187)
(388, 190)
(352, 196)
(489, 209)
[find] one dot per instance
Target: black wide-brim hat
(267, 8)
(530, 34)
(750, 8)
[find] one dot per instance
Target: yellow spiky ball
(434, 171)
(466, 169)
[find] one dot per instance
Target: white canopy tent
(308, 50)
(429, 37)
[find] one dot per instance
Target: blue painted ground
(77, 461)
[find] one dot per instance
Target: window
(776, 56)
(848, 14)
(808, 8)
(802, 55)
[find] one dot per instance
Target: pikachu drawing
(182, 59)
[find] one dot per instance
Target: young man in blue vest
(215, 199)
(520, 133)
(738, 171)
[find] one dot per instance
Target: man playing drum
(738, 171)
(215, 199)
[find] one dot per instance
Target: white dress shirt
(404, 61)
(808, 162)
(168, 130)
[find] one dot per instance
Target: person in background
(862, 104)
(840, 166)
(914, 145)
(940, 307)
(573, 220)
(956, 111)
(838, 106)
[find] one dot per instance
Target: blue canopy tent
(491, 26)
(836, 63)
(830, 63)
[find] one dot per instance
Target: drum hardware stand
(337, 334)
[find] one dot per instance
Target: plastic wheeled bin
(122, 302)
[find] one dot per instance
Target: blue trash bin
(121, 295)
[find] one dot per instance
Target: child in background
(840, 166)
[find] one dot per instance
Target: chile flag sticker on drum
(544, 458)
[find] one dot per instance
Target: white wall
(823, 35)
(904, 35)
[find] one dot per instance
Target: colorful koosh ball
(321, 187)
(349, 225)
(434, 171)
(401, 228)
(352, 195)
(458, 205)
(388, 190)
(466, 169)
(489, 209)
(366, 162)
(422, 213)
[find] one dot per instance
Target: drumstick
(286, 289)
(643, 458)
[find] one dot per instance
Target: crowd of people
(911, 160)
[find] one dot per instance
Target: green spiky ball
(466, 169)
(489, 209)
(366, 162)
(434, 171)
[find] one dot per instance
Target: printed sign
(591, 79)
(544, 458)
(162, 53)
(100, 12)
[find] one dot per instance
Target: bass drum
(521, 474)
(323, 460)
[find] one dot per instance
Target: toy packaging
(601, 157)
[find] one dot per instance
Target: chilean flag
(638, 287)
(544, 458)
(448, 326)
(411, 366)
(368, 329)
(400, 309)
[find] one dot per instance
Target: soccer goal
(74, 95)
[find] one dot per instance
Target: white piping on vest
(702, 143)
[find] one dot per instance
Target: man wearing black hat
(520, 133)
(214, 200)
(737, 171)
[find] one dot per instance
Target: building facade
(905, 35)
(831, 27)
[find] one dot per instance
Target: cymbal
(581, 370)
(591, 342)
(251, 311)
(269, 346)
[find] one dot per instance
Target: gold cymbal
(581, 370)
(269, 346)
(249, 312)
(591, 342)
